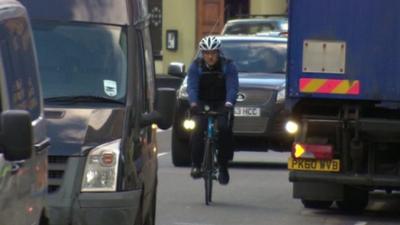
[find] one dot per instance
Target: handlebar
(211, 113)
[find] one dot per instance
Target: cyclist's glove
(228, 107)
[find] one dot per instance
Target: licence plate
(247, 111)
(314, 165)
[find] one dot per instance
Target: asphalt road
(259, 194)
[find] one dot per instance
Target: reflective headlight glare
(189, 124)
(291, 127)
(280, 97)
(182, 91)
(100, 174)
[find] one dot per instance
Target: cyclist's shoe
(196, 172)
(223, 175)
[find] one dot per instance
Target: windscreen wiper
(82, 98)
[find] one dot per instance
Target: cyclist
(213, 81)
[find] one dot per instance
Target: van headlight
(101, 168)
(280, 97)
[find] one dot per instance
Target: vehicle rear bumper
(376, 181)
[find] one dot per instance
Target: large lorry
(101, 106)
(343, 91)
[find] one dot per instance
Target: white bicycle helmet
(209, 43)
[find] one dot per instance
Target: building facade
(185, 22)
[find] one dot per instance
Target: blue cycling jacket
(231, 79)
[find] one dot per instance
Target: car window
(81, 60)
(249, 28)
(20, 66)
(256, 56)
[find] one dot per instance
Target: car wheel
(180, 149)
(313, 204)
(354, 200)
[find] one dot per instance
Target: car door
(24, 93)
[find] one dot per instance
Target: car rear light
(311, 151)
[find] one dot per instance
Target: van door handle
(42, 145)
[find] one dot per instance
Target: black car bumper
(253, 134)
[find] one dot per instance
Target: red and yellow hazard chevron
(330, 86)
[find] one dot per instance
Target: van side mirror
(165, 105)
(176, 69)
(16, 138)
(164, 109)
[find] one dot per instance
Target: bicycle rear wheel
(208, 171)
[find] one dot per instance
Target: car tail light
(311, 151)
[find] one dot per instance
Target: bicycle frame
(209, 159)
(210, 127)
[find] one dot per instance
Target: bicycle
(209, 165)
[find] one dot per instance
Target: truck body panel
(371, 34)
(343, 91)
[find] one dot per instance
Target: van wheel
(354, 200)
(180, 150)
(312, 204)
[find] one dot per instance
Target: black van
(23, 140)
(101, 107)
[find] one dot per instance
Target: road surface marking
(192, 224)
(162, 154)
(361, 223)
(161, 130)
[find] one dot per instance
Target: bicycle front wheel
(208, 189)
(208, 171)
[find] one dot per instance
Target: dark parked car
(100, 106)
(23, 140)
(259, 112)
(249, 26)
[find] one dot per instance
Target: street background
(259, 194)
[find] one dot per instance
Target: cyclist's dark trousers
(224, 144)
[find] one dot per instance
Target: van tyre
(314, 204)
(180, 149)
(354, 200)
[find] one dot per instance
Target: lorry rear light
(311, 151)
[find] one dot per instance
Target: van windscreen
(78, 59)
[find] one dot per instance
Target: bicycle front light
(101, 168)
(189, 124)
